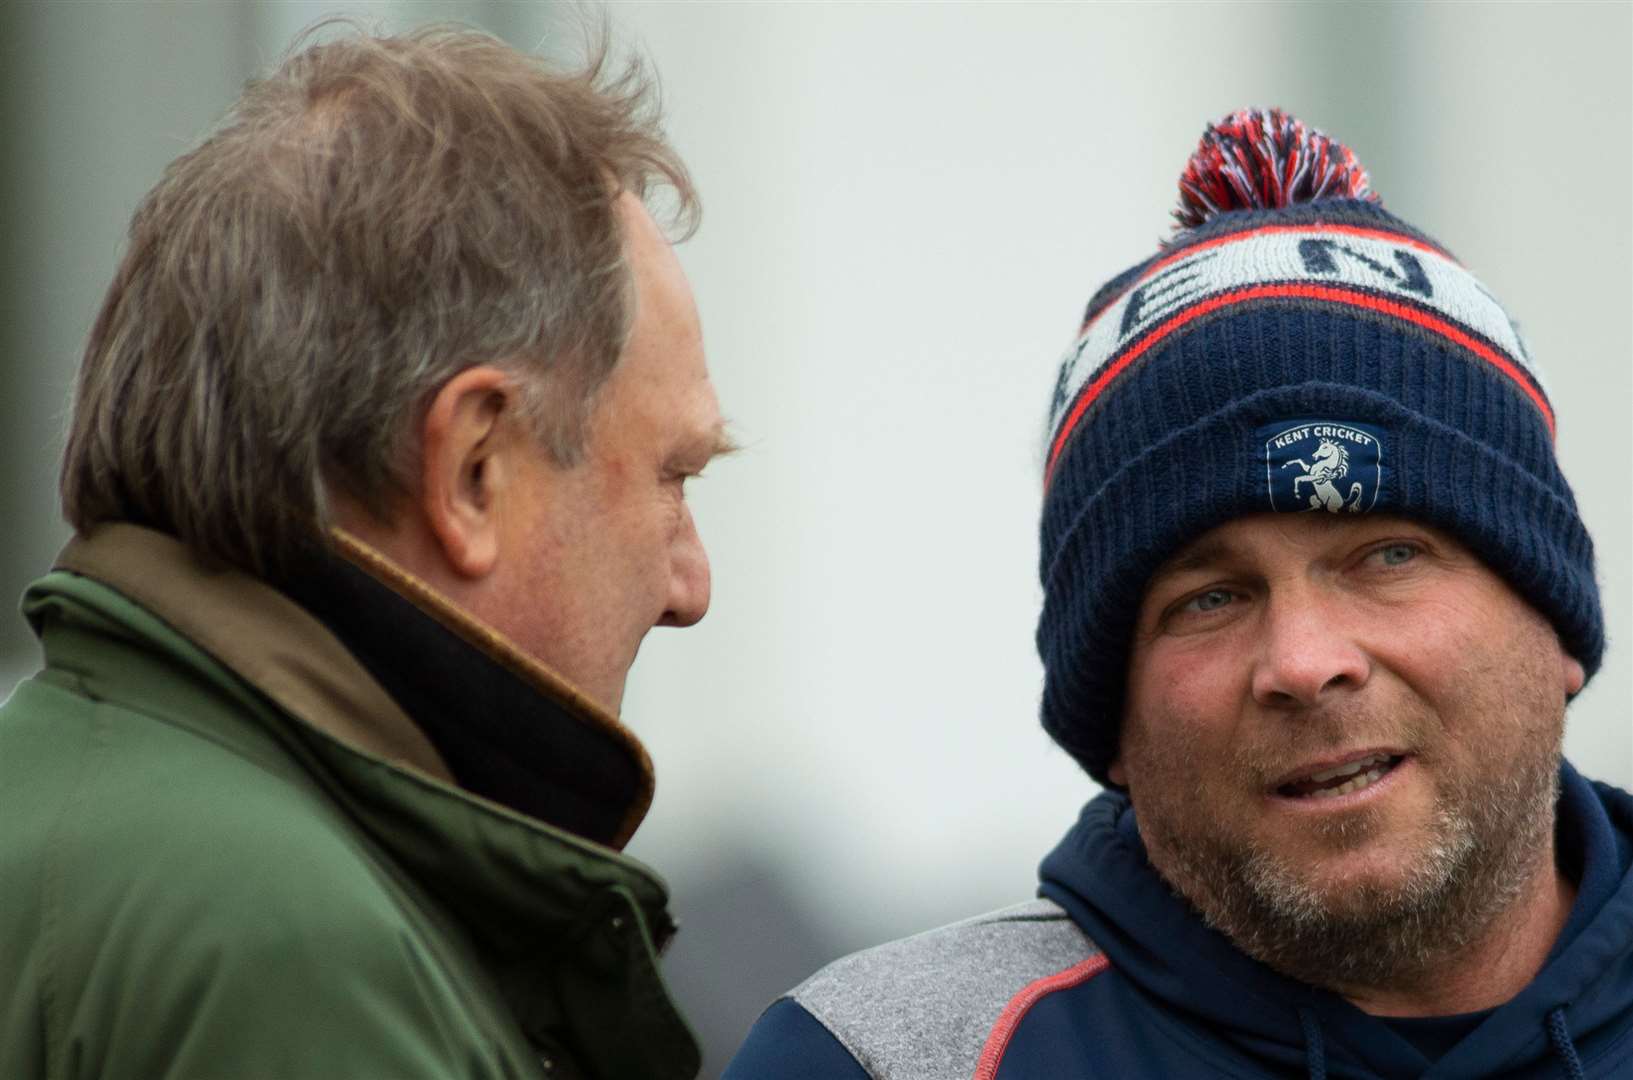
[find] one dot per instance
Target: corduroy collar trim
(263, 636)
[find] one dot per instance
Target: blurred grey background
(906, 208)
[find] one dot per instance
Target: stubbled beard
(1481, 853)
(1486, 840)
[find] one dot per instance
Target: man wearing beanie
(1316, 597)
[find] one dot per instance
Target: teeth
(1350, 769)
(1344, 789)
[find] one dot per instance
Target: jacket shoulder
(788, 1043)
(928, 1006)
(225, 904)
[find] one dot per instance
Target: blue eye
(1211, 600)
(1396, 554)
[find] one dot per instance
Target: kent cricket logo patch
(1330, 465)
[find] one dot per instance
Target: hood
(1578, 1005)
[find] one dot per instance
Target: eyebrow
(714, 443)
(723, 442)
(1199, 556)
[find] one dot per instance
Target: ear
(463, 466)
(1116, 773)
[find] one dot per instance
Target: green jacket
(225, 852)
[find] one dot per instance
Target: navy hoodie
(1111, 975)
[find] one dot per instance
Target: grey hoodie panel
(922, 1008)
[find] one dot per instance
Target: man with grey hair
(377, 472)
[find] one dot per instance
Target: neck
(1495, 966)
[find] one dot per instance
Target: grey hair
(375, 216)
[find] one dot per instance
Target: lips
(1331, 781)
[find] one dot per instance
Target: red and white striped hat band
(1369, 269)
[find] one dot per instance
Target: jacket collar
(382, 662)
(511, 729)
(259, 634)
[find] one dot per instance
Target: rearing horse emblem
(1328, 465)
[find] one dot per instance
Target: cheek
(1421, 641)
(609, 475)
(1448, 653)
(1182, 711)
(1205, 684)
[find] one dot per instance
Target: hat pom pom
(1265, 159)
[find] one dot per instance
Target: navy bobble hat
(1292, 348)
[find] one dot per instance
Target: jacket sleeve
(354, 1002)
(788, 1043)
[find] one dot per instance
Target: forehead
(660, 283)
(660, 389)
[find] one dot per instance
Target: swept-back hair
(372, 218)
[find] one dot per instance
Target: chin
(1363, 885)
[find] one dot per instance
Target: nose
(688, 576)
(1307, 651)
